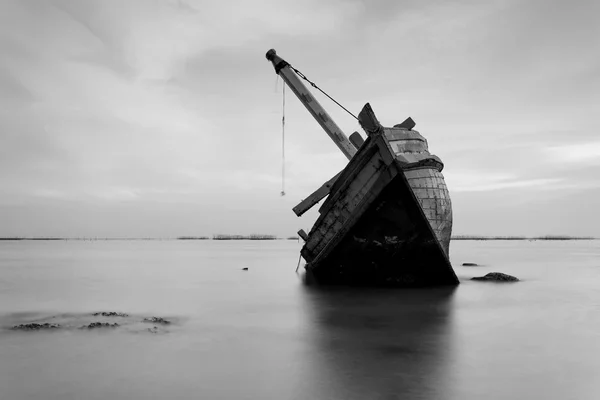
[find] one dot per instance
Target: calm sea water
(263, 334)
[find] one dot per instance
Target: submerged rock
(470, 265)
(110, 314)
(35, 327)
(496, 277)
(95, 325)
(157, 320)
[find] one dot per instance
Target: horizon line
(221, 237)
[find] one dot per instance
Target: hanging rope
(301, 75)
(283, 144)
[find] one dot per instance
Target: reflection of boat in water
(383, 344)
(388, 217)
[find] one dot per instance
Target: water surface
(263, 334)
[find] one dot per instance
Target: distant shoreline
(522, 238)
(272, 237)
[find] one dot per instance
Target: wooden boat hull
(387, 220)
(431, 191)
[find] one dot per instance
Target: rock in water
(470, 265)
(157, 320)
(496, 277)
(95, 325)
(110, 314)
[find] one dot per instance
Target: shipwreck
(387, 219)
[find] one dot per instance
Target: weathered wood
(390, 244)
(356, 182)
(430, 190)
(385, 150)
(377, 227)
(388, 216)
(357, 140)
(312, 105)
(325, 189)
(369, 121)
(366, 153)
(383, 179)
(408, 123)
(303, 234)
(349, 197)
(315, 196)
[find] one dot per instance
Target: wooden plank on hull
(408, 124)
(356, 140)
(315, 196)
(303, 234)
(356, 180)
(326, 188)
(369, 121)
(390, 244)
(385, 178)
(342, 210)
(385, 150)
(362, 158)
(375, 147)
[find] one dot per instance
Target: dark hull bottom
(391, 245)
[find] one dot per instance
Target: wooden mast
(282, 68)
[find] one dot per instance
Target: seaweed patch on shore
(157, 320)
(95, 325)
(32, 326)
(110, 314)
(100, 320)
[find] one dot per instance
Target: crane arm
(283, 69)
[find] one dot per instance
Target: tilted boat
(387, 219)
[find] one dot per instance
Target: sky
(147, 118)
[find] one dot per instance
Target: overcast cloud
(163, 118)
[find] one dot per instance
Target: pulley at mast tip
(277, 61)
(271, 54)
